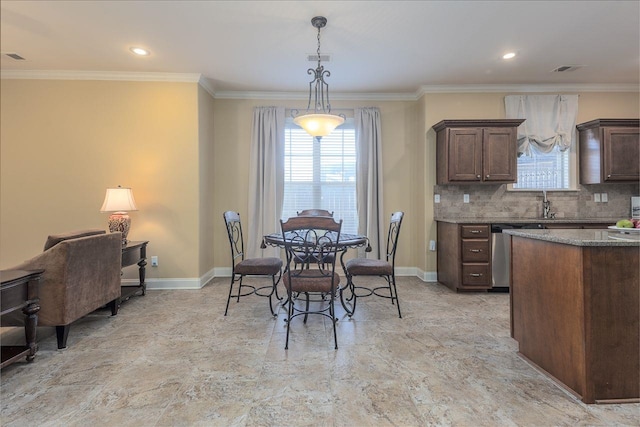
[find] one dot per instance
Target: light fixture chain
(318, 51)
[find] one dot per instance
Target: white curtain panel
(266, 179)
(550, 121)
(371, 219)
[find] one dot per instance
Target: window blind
(321, 175)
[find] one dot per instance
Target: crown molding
(561, 87)
(207, 85)
(99, 75)
(338, 96)
(335, 96)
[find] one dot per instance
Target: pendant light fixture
(319, 122)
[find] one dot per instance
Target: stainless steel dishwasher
(500, 253)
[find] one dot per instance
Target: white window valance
(550, 121)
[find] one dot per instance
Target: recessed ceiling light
(140, 51)
(509, 55)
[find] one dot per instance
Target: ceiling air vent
(566, 68)
(314, 57)
(15, 56)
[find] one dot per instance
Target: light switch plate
(436, 198)
(465, 198)
(596, 197)
(604, 197)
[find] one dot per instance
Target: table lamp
(119, 200)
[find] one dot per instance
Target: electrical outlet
(436, 198)
(596, 197)
(604, 197)
(432, 245)
(465, 198)
(154, 261)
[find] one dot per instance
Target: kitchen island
(574, 309)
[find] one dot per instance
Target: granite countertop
(609, 221)
(580, 237)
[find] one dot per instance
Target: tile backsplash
(494, 201)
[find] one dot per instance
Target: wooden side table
(19, 290)
(134, 253)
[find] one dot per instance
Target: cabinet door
(465, 154)
(499, 154)
(621, 154)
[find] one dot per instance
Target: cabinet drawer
(475, 251)
(475, 275)
(474, 231)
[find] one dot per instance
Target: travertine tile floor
(171, 358)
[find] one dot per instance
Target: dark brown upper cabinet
(476, 151)
(609, 151)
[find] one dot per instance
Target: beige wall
(64, 142)
(402, 172)
(186, 157)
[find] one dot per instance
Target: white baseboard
(194, 283)
(162, 284)
(425, 276)
(186, 283)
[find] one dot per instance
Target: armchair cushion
(54, 239)
(81, 275)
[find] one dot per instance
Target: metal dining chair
(241, 266)
(311, 238)
(376, 267)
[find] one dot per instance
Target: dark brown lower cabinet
(464, 256)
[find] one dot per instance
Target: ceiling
(375, 47)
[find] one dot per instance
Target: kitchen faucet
(546, 207)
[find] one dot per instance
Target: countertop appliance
(500, 253)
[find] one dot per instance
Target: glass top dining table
(346, 241)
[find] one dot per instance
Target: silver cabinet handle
(487, 176)
(475, 231)
(476, 275)
(478, 176)
(608, 176)
(475, 250)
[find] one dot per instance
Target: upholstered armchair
(82, 274)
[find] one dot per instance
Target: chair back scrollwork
(234, 232)
(392, 237)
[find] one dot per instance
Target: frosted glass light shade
(319, 124)
(118, 200)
